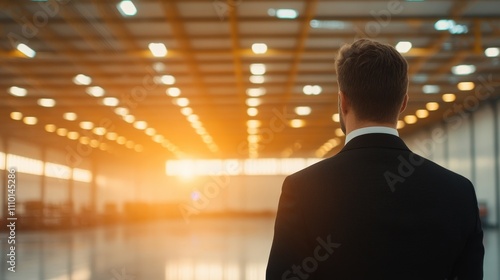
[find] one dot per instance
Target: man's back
(376, 211)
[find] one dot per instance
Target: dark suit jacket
(377, 211)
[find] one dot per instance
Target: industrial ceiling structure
(226, 79)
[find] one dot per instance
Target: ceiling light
(126, 8)
(150, 131)
(182, 102)
(138, 148)
(410, 119)
(83, 80)
(121, 111)
(336, 117)
(253, 138)
(103, 146)
(167, 79)
(129, 118)
(403, 46)
(159, 66)
(492, 52)
(141, 125)
(18, 91)
(16, 116)
(252, 130)
(283, 13)
(99, 131)
(30, 120)
(173, 91)
(62, 131)
(459, 29)
(158, 138)
(94, 143)
(200, 130)
(256, 92)
(27, 51)
(339, 132)
(130, 144)
(431, 89)
(303, 110)
(69, 116)
(121, 140)
(95, 91)
(432, 106)
(463, 69)
(207, 138)
(158, 49)
(257, 79)
(253, 123)
(422, 114)
(110, 101)
(84, 140)
(73, 135)
(86, 125)
(253, 102)
(327, 24)
(46, 102)
(186, 111)
(259, 48)
(312, 90)
(193, 118)
(449, 97)
(252, 112)
(401, 124)
(196, 124)
(258, 69)
(444, 24)
(50, 127)
(296, 123)
(111, 136)
(465, 86)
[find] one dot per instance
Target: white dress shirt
(371, 129)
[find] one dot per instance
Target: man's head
(373, 80)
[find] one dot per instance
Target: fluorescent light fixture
(82, 79)
(95, 91)
(121, 111)
(193, 118)
(303, 110)
(99, 131)
(410, 119)
(186, 111)
(403, 46)
(27, 51)
(312, 90)
(173, 91)
(73, 135)
(86, 125)
(167, 79)
(431, 89)
(432, 106)
(18, 91)
(158, 49)
(126, 8)
(253, 123)
(492, 52)
(50, 128)
(444, 24)
(150, 131)
(46, 102)
(259, 48)
(158, 138)
(253, 102)
(465, 86)
(252, 130)
(129, 118)
(422, 113)
(296, 123)
(110, 101)
(182, 102)
(449, 97)
(327, 24)
(70, 116)
(463, 69)
(256, 92)
(283, 13)
(257, 79)
(17, 116)
(30, 120)
(252, 112)
(459, 29)
(141, 125)
(258, 69)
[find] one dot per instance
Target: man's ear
(345, 104)
(403, 105)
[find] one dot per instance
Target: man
(375, 210)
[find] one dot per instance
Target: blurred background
(149, 139)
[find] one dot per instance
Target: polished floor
(218, 249)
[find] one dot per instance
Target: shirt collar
(371, 129)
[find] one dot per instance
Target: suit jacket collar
(375, 140)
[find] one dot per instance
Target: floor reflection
(219, 249)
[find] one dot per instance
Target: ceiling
(209, 45)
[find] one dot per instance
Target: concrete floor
(219, 249)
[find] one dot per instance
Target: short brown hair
(374, 78)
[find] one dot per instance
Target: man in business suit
(375, 210)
